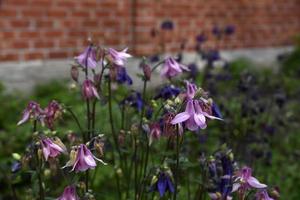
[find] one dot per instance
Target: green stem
(177, 164)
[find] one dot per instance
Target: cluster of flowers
(174, 121)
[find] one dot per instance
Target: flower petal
(180, 117)
(255, 183)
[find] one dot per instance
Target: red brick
(33, 55)
(56, 13)
(19, 23)
(8, 13)
(9, 57)
(29, 34)
(43, 44)
(57, 54)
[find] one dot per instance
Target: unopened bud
(147, 72)
(74, 73)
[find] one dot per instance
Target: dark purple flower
(33, 110)
(134, 100)
(163, 184)
(229, 30)
(167, 92)
(193, 70)
(167, 25)
(201, 38)
(69, 194)
(87, 58)
(123, 77)
(16, 166)
(89, 90)
(154, 58)
(216, 111)
(216, 31)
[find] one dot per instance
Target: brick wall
(45, 29)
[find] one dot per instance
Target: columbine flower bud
(74, 73)
(89, 90)
(147, 72)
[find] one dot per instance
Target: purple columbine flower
(201, 38)
(82, 159)
(163, 184)
(89, 90)
(172, 68)
(87, 59)
(52, 112)
(244, 180)
(33, 110)
(154, 132)
(51, 149)
(263, 195)
(134, 100)
(69, 194)
(194, 116)
(118, 57)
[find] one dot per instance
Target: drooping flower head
(89, 90)
(163, 184)
(52, 112)
(172, 68)
(154, 132)
(221, 175)
(69, 194)
(87, 59)
(122, 76)
(119, 58)
(169, 129)
(263, 195)
(82, 159)
(244, 180)
(51, 149)
(229, 30)
(33, 110)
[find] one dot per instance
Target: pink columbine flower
(118, 57)
(172, 68)
(244, 180)
(194, 116)
(87, 58)
(89, 90)
(51, 149)
(69, 194)
(33, 110)
(155, 132)
(83, 159)
(52, 112)
(263, 195)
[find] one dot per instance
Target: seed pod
(147, 72)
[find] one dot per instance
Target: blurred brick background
(46, 29)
